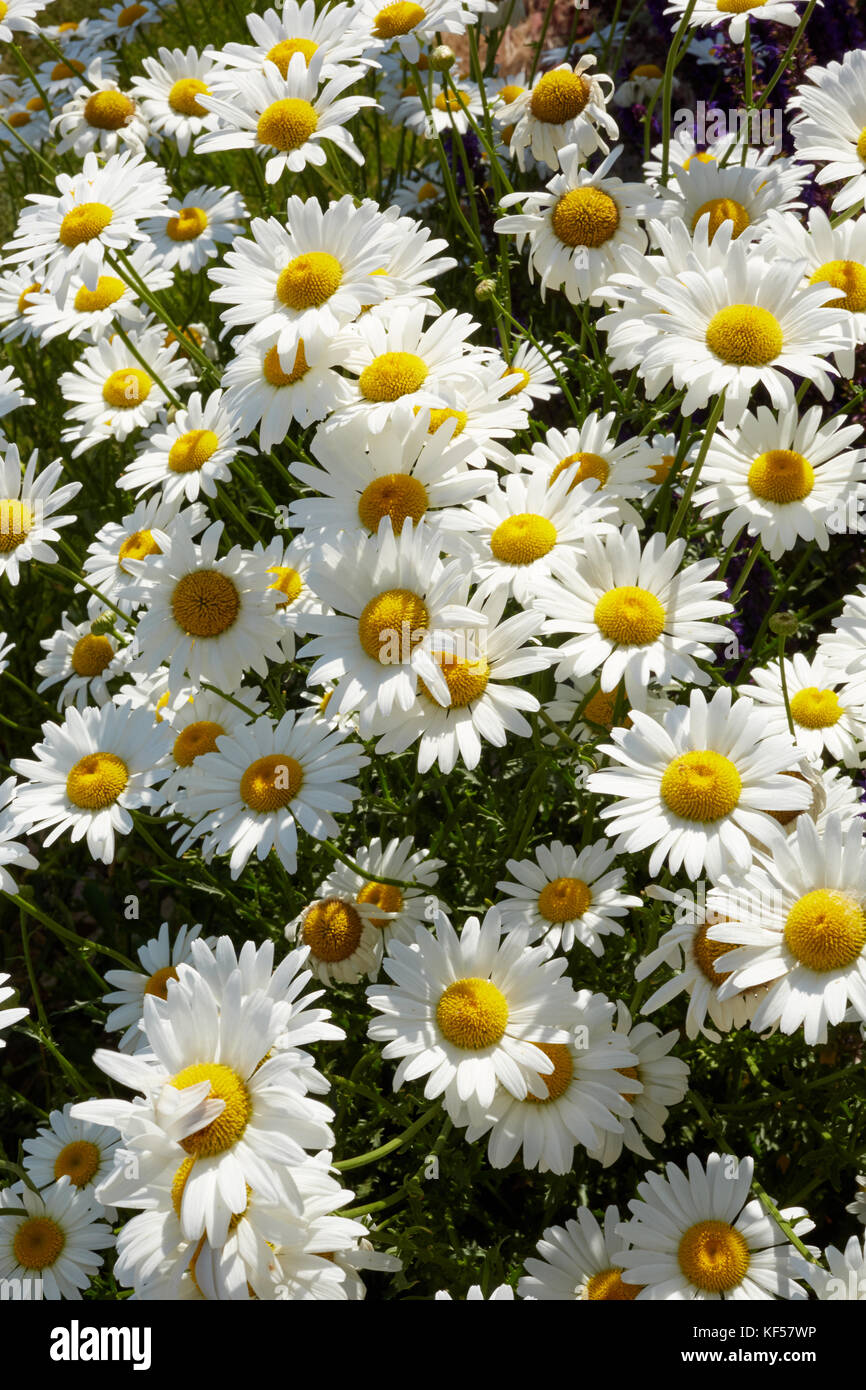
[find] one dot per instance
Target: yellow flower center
(426, 192)
(16, 523)
(466, 680)
(392, 375)
(849, 276)
(659, 471)
(227, 1128)
(273, 372)
(523, 380)
(108, 290)
(472, 1014)
(129, 15)
(558, 1080)
(588, 466)
(558, 97)
(452, 101)
(287, 124)
(178, 1183)
(197, 738)
(781, 476)
(183, 97)
(706, 952)
(333, 930)
(564, 899)
(712, 1254)
(309, 280)
(826, 930)
(192, 451)
(702, 156)
(745, 335)
(24, 296)
(861, 145)
(126, 388)
(78, 1161)
(397, 616)
(599, 709)
(108, 110)
(648, 70)
(83, 223)
(61, 72)
(91, 654)
(701, 786)
(157, 984)
(19, 118)
(438, 416)
(510, 92)
(189, 224)
(288, 582)
(816, 709)
(283, 52)
(384, 895)
(270, 783)
(396, 495)
(205, 603)
(630, 1074)
(398, 18)
(522, 539)
(137, 547)
(608, 1286)
(723, 210)
(96, 781)
(38, 1243)
(630, 616)
(585, 217)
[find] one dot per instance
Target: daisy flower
(160, 957)
(577, 1262)
(449, 111)
(390, 597)
(528, 530)
(207, 617)
(564, 107)
(583, 711)
(110, 394)
(29, 506)
(404, 361)
(845, 647)
(635, 615)
(684, 150)
(798, 923)
(486, 411)
(577, 228)
(410, 26)
(846, 1278)
(534, 371)
(655, 1083)
(30, 125)
(197, 719)
(138, 536)
(564, 896)
(55, 1242)
(746, 196)
(688, 950)
(289, 562)
(190, 231)
(621, 470)
(696, 1236)
(88, 314)
(736, 13)
(784, 476)
(583, 1098)
(9, 1017)
(121, 21)
(100, 118)
(87, 776)
(831, 123)
(828, 711)
(72, 1149)
(12, 396)
(730, 330)
(286, 119)
(470, 1012)
(13, 855)
(401, 471)
(410, 260)
(415, 194)
(400, 910)
(266, 389)
(190, 456)
(18, 290)
(858, 1206)
(84, 660)
(18, 17)
(317, 271)
(267, 779)
(341, 936)
(169, 95)
(339, 31)
(640, 86)
(835, 256)
(698, 785)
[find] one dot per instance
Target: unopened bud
(102, 625)
(170, 413)
(442, 58)
(485, 289)
(784, 624)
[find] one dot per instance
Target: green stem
(373, 1155)
(695, 470)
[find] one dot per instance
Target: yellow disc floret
(861, 145)
(384, 895)
(706, 952)
(558, 1080)
(157, 983)
(738, 6)
(205, 603)
(184, 94)
(723, 210)
(397, 495)
(395, 616)
(714, 1256)
(137, 547)
(197, 738)
(585, 217)
(38, 1243)
(108, 290)
(84, 222)
(745, 335)
(466, 679)
(96, 781)
(812, 708)
(187, 225)
(398, 18)
(78, 1161)
(283, 52)
(559, 96)
(826, 930)
(522, 539)
(608, 1286)
(288, 583)
(225, 1085)
(273, 371)
(192, 450)
(588, 466)
(270, 783)
(287, 124)
(849, 276)
(781, 476)
(91, 654)
(564, 899)
(108, 110)
(309, 280)
(332, 930)
(16, 523)
(472, 1014)
(630, 616)
(701, 786)
(392, 375)
(126, 388)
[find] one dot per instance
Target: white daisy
(160, 957)
(798, 921)
(265, 389)
(13, 855)
(400, 910)
(655, 1083)
(9, 1017)
(55, 1242)
(169, 95)
(19, 17)
(577, 1262)
(197, 719)
(845, 647)
(565, 106)
(121, 21)
(470, 1012)
(191, 230)
(69, 1148)
(416, 194)
(640, 86)
(633, 614)
(696, 1236)
(410, 26)
(90, 313)
(341, 936)
(858, 1206)
(449, 110)
(18, 290)
(828, 711)
(29, 510)
(622, 470)
(831, 125)
(846, 1277)
(138, 536)
(267, 779)
(100, 117)
(736, 13)
(88, 774)
(534, 372)
(746, 196)
(289, 562)
(698, 785)
(84, 660)
(189, 456)
(502, 1293)
(563, 896)
(339, 31)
